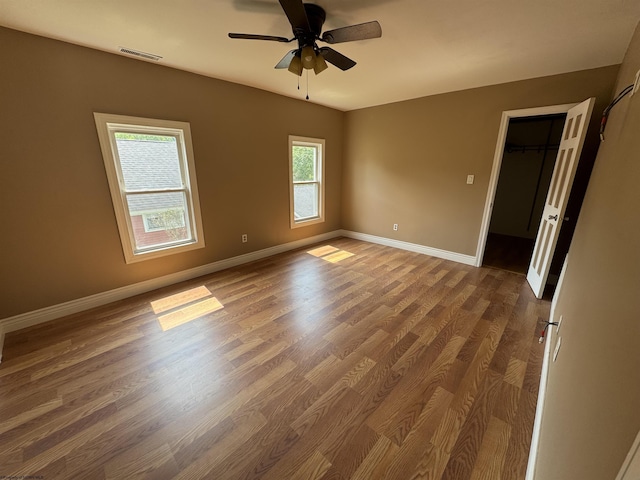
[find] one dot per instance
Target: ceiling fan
(306, 21)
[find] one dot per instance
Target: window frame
(109, 124)
(319, 144)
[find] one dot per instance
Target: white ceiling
(427, 46)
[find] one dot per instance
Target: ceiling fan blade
(336, 58)
(362, 31)
(286, 60)
(250, 36)
(294, 9)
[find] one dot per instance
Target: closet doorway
(526, 168)
(560, 209)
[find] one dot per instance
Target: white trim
(412, 247)
(497, 162)
(631, 464)
(24, 320)
(537, 422)
(319, 144)
(544, 377)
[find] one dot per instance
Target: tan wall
(59, 238)
(592, 408)
(407, 162)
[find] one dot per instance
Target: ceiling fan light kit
(306, 21)
(296, 65)
(320, 64)
(308, 57)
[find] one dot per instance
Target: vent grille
(136, 53)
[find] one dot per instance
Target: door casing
(497, 163)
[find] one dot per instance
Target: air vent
(136, 53)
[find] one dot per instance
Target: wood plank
(322, 251)
(313, 469)
(491, 454)
(387, 364)
(465, 451)
(188, 313)
(179, 299)
(158, 463)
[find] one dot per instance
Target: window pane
(158, 218)
(304, 163)
(305, 200)
(148, 161)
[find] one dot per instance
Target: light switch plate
(555, 352)
(470, 179)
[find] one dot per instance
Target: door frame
(550, 341)
(631, 464)
(507, 115)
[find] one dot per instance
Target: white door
(575, 129)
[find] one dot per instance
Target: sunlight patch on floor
(185, 306)
(179, 299)
(330, 254)
(322, 251)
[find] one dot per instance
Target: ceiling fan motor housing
(316, 16)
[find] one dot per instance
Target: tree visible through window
(306, 169)
(152, 180)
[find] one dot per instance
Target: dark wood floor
(385, 364)
(508, 253)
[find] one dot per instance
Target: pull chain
(307, 84)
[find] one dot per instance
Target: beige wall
(592, 408)
(404, 163)
(59, 238)
(407, 162)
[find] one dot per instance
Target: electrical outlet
(395, 227)
(244, 238)
(559, 324)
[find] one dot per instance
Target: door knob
(553, 217)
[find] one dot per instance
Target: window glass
(304, 163)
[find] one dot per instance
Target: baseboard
(18, 322)
(530, 473)
(537, 422)
(412, 247)
(29, 319)
(631, 464)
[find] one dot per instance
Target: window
(152, 179)
(154, 222)
(306, 171)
